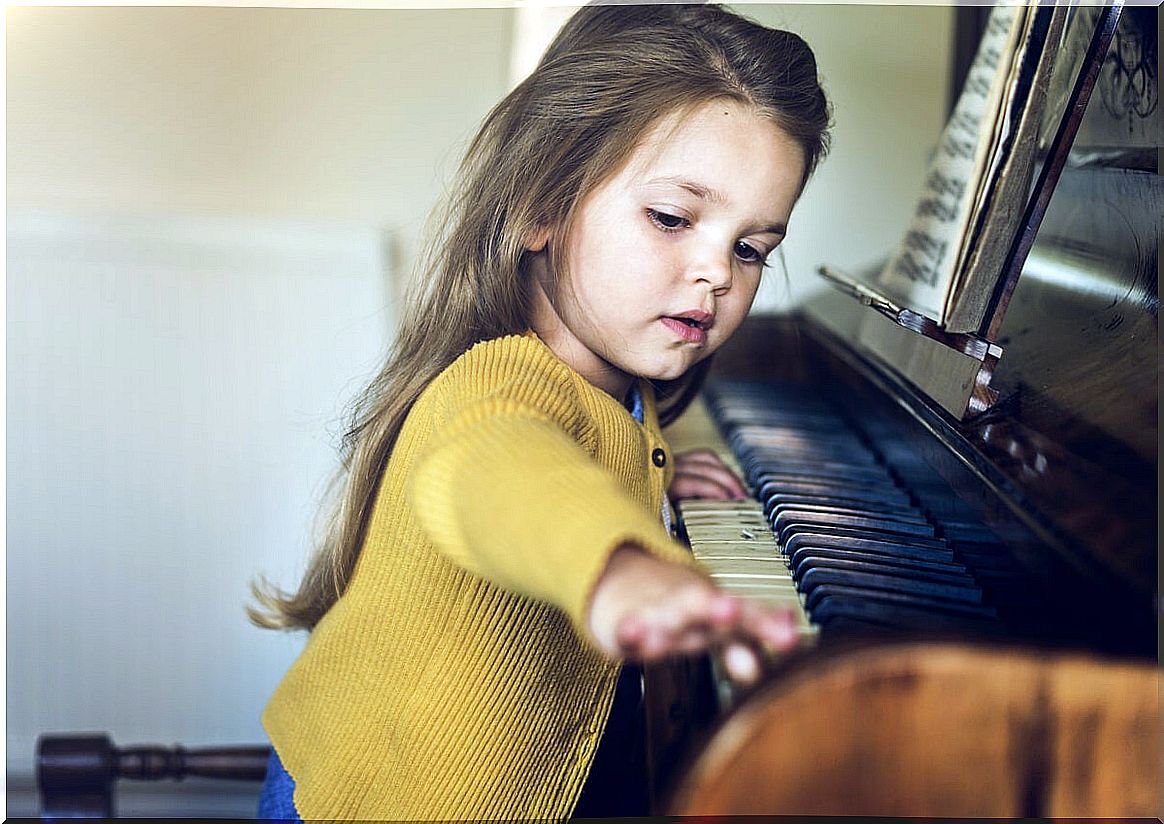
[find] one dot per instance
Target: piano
(977, 593)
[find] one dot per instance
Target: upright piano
(977, 589)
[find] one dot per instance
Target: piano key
(772, 588)
(754, 578)
(838, 593)
(881, 567)
(691, 505)
(743, 562)
(950, 591)
(704, 552)
(929, 603)
(841, 525)
(793, 522)
(805, 555)
(771, 484)
(758, 472)
(900, 616)
(757, 459)
(759, 530)
(747, 527)
(712, 531)
(838, 501)
(912, 547)
(905, 516)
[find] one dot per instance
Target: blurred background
(210, 215)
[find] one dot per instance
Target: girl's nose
(715, 270)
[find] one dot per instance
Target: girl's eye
(666, 221)
(749, 254)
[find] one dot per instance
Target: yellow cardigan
(452, 680)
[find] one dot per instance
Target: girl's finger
(685, 485)
(772, 629)
(693, 640)
(706, 459)
(630, 633)
(717, 472)
(704, 456)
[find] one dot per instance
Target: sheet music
(921, 273)
(1001, 208)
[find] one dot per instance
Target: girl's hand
(645, 609)
(701, 474)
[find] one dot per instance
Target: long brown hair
(612, 73)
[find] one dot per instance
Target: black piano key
(831, 473)
(791, 522)
(851, 459)
(761, 471)
(877, 551)
(760, 442)
(836, 501)
(944, 590)
(866, 575)
(757, 474)
(790, 434)
(809, 556)
(902, 515)
(840, 513)
(753, 457)
(898, 616)
(769, 484)
(935, 606)
(910, 546)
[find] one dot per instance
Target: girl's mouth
(687, 329)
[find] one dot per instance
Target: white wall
(173, 389)
(886, 71)
(204, 208)
(340, 115)
(199, 200)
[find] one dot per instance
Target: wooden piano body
(1055, 710)
(1056, 717)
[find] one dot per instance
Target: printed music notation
(948, 260)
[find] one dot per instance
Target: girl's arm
(644, 608)
(506, 494)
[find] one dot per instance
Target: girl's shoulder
(519, 367)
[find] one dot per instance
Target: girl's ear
(537, 238)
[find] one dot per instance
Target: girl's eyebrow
(698, 189)
(713, 196)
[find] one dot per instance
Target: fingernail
(740, 664)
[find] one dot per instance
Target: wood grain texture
(938, 729)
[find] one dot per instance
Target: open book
(941, 297)
(978, 180)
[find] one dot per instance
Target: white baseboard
(191, 798)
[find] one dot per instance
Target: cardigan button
(659, 458)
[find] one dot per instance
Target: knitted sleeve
(508, 494)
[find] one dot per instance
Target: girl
(500, 543)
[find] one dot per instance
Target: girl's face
(665, 256)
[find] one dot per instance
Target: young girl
(501, 543)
